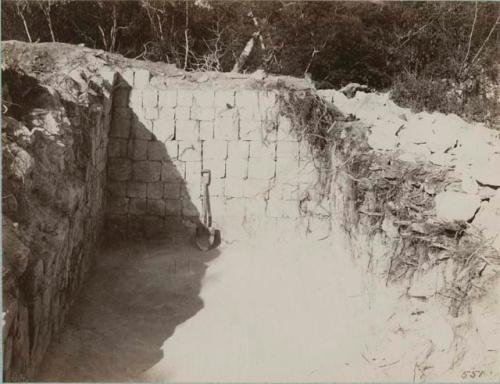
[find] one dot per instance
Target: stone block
(164, 129)
(287, 171)
(226, 129)
(119, 169)
(237, 168)
(155, 190)
(172, 190)
(224, 97)
(289, 191)
(117, 147)
(156, 207)
(153, 225)
(247, 98)
(235, 206)
(262, 150)
(267, 99)
(189, 150)
(138, 206)
(135, 224)
(117, 205)
(184, 98)
(204, 98)
(120, 128)
(157, 151)
(189, 209)
(256, 188)
(250, 130)
(147, 171)
(150, 98)
(202, 113)
(214, 150)
(216, 167)
(304, 151)
(159, 82)
(249, 113)
(151, 113)
(217, 187)
(234, 187)
(288, 150)
(138, 149)
(167, 98)
(173, 171)
(187, 130)
(172, 149)
(116, 189)
(206, 130)
(141, 78)
(113, 223)
(167, 113)
(192, 191)
(135, 99)
(137, 190)
(193, 172)
(173, 207)
(255, 208)
(127, 76)
(238, 149)
(142, 130)
(261, 169)
(182, 113)
(269, 131)
(226, 112)
(122, 113)
(120, 97)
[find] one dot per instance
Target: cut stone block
(193, 172)
(159, 82)
(147, 171)
(250, 130)
(138, 149)
(247, 98)
(307, 172)
(138, 206)
(204, 98)
(142, 130)
(151, 113)
(285, 130)
(235, 206)
(119, 169)
(157, 151)
(136, 190)
(269, 131)
(149, 98)
(167, 113)
(217, 187)
(117, 189)
(288, 150)
(164, 129)
(238, 149)
(156, 207)
(117, 147)
(128, 76)
(182, 113)
(214, 150)
(234, 187)
(173, 207)
(155, 190)
(255, 207)
(120, 128)
(206, 130)
(256, 188)
(120, 97)
(237, 168)
(224, 97)
(258, 169)
(216, 167)
(173, 171)
(187, 130)
(172, 149)
(118, 205)
(184, 98)
(141, 78)
(122, 113)
(172, 190)
(260, 150)
(226, 129)
(249, 113)
(153, 225)
(135, 99)
(189, 150)
(167, 98)
(226, 112)
(202, 113)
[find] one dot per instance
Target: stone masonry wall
(164, 134)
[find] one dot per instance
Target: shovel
(206, 237)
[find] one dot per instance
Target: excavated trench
(333, 266)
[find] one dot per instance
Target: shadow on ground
(137, 295)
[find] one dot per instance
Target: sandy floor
(250, 311)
